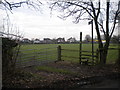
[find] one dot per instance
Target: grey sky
(41, 24)
(36, 24)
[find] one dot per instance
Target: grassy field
(112, 54)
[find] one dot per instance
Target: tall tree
(96, 11)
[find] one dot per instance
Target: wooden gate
(87, 58)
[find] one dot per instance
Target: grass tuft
(54, 70)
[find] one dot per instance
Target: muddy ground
(71, 75)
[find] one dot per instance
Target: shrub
(8, 60)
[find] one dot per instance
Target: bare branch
(79, 8)
(115, 18)
(93, 8)
(98, 9)
(102, 28)
(87, 10)
(10, 5)
(78, 18)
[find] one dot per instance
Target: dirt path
(65, 75)
(107, 84)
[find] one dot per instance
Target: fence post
(59, 53)
(80, 49)
(92, 43)
(97, 54)
(0, 62)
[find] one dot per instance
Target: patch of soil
(84, 76)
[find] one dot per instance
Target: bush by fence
(10, 49)
(8, 55)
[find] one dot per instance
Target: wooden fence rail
(110, 48)
(70, 50)
(86, 56)
(69, 56)
(87, 51)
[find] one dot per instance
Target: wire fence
(30, 54)
(31, 57)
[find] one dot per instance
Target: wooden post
(59, 53)
(91, 22)
(80, 48)
(0, 62)
(92, 43)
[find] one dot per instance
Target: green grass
(112, 54)
(52, 69)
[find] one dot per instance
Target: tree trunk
(104, 52)
(103, 48)
(103, 56)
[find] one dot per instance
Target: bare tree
(96, 11)
(11, 44)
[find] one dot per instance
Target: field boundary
(34, 57)
(57, 53)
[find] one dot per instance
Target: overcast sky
(41, 24)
